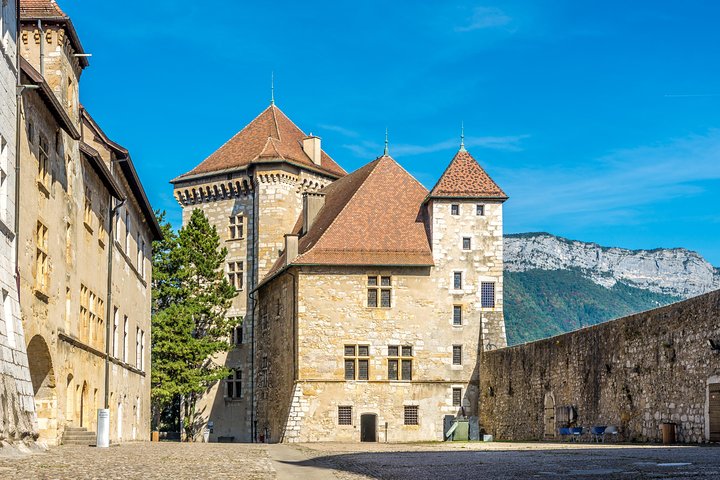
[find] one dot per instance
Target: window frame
(483, 295)
(457, 317)
(457, 355)
(458, 391)
(345, 415)
(480, 209)
(457, 280)
(356, 360)
(455, 209)
(42, 272)
(398, 356)
(233, 385)
(236, 227)
(236, 274)
(379, 291)
(469, 244)
(411, 415)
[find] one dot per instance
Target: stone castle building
(366, 299)
(17, 410)
(86, 229)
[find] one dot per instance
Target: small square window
(457, 280)
(457, 397)
(372, 282)
(454, 209)
(385, 281)
(466, 243)
(344, 415)
(480, 210)
(363, 350)
(457, 355)
(411, 415)
(393, 351)
(457, 314)
(407, 351)
(349, 350)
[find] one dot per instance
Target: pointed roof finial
(385, 153)
(462, 136)
(272, 88)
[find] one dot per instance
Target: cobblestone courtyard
(367, 461)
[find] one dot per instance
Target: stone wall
(17, 410)
(634, 373)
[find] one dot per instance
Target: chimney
(311, 146)
(312, 203)
(291, 248)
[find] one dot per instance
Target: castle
(366, 299)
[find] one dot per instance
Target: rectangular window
(237, 334)
(487, 294)
(42, 275)
(233, 384)
(43, 177)
(457, 397)
(457, 355)
(137, 347)
(4, 165)
(344, 415)
(235, 275)
(116, 321)
(139, 260)
(454, 209)
(236, 227)
(457, 280)
(410, 416)
(357, 365)
(84, 312)
(379, 291)
(87, 215)
(457, 314)
(480, 210)
(466, 243)
(102, 229)
(400, 362)
(142, 350)
(127, 233)
(126, 331)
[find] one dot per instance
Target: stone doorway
(714, 411)
(368, 427)
(83, 405)
(549, 415)
(42, 375)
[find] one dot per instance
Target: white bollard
(103, 428)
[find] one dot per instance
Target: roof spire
(385, 153)
(462, 136)
(272, 87)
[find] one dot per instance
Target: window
(87, 216)
(140, 245)
(379, 291)
(344, 415)
(127, 233)
(235, 274)
(116, 321)
(137, 347)
(457, 280)
(466, 243)
(454, 209)
(43, 177)
(237, 336)
(479, 210)
(42, 277)
(142, 350)
(102, 229)
(410, 416)
(457, 355)
(457, 397)
(357, 363)
(400, 362)
(3, 179)
(457, 314)
(9, 319)
(31, 132)
(142, 258)
(236, 227)
(233, 384)
(84, 311)
(487, 294)
(126, 330)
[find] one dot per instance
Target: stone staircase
(78, 436)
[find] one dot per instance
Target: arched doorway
(43, 382)
(83, 405)
(549, 415)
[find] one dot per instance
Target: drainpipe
(111, 244)
(42, 48)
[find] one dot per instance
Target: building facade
(86, 229)
(382, 309)
(17, 409)
(251, 190)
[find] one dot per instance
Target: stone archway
(42, 375)
(549, 415)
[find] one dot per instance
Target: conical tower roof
(465, 178)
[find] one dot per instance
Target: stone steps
(78, 436)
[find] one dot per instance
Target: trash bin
(668, 432)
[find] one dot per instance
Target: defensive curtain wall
(635, 373)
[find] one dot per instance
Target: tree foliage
(190, 299)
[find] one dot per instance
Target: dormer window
(455, 209)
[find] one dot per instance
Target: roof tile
(41, 9)
(464, 177)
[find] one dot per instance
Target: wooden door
(368, 427)
(714, 412)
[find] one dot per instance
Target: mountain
(554, 285)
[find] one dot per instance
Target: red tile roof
(374, 216)
(41, 9)
(270, 136)
(465, 178)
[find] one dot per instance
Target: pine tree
(190, 299)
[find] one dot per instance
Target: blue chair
(576, 433)
(564, 433)
(597, 433)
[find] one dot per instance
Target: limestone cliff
(677, 272)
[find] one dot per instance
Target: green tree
(190, 299)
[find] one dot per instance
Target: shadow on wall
(522, 461)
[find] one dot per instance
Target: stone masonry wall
(635, 373)
(17, 409)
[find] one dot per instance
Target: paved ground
(433, 461)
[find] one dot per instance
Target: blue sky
(600, 119)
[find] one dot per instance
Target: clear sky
(600, 119)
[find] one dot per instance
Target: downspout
(42, 48)
(256, 242)
(18, 126)
(108, 310)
